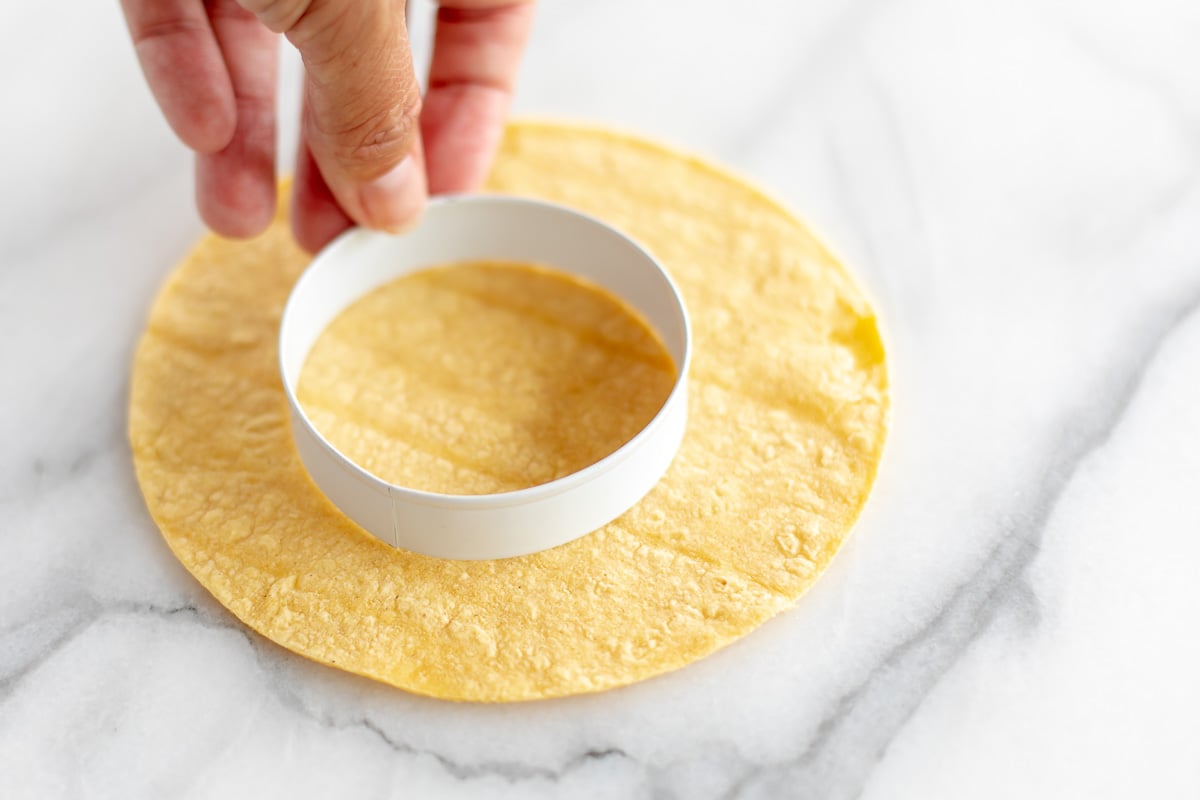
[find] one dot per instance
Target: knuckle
(278, 15)
(382, 138)
(142, 31)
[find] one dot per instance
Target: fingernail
(393, 202)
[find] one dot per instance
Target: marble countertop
(1018, 185)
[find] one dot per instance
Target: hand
(369, 151)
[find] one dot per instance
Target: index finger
(184, 67)
(477, 50)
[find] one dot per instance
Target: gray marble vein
(1018, 187)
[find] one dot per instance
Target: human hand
(370, 150)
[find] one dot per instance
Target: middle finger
(235, 187)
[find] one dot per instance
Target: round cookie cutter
(488, 227)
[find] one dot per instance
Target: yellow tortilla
(787, 421)
(484, 377)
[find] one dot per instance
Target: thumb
(362, 103)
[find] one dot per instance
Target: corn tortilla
(484, 377)
(787, 421)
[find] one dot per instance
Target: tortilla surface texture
(484, 377)
(787, 419)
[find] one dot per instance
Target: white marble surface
(1019, 186)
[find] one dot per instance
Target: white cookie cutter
(493, 228)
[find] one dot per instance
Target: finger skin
(476, 56)
(315, 214)
(185, 70)
(235, 187)
(363, 106)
